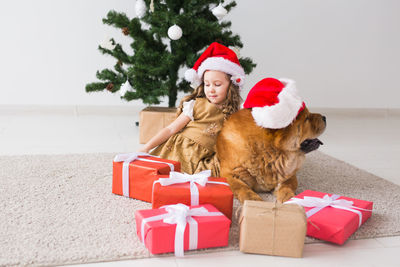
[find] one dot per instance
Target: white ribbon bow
(180, 215)
(327, 201)
(127, 158)
(200, 178)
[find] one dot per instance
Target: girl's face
(216, 85)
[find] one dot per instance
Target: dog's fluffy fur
(256, 159)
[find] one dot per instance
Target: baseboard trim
(72, 110)
(81, 110)
(360, 112)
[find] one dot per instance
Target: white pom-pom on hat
(190, 74)
(192, 77)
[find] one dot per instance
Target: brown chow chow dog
(261, 147)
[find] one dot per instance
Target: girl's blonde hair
(228, 107)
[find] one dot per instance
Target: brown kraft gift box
(272, 229)
(153, 120)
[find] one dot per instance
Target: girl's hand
(143, 150)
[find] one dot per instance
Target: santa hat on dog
(275, 103)
(216, 57)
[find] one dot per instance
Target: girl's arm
(166, 133)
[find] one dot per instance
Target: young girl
(190, 139)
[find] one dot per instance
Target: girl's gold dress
(194, 146)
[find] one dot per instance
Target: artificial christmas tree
(167, 35)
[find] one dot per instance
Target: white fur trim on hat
(283, 113)
(220, 64)
(192, 77)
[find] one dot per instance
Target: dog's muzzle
(309, 145)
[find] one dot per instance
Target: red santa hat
(216, 57)
(275, 103)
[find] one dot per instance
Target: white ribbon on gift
(195, 180)
(327, 201)
(180, 214)
(127, 158)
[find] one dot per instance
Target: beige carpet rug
(60, 210)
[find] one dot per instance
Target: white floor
(368, 139)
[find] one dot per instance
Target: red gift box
(331, 217)
(140, 171)
(184, 189)
(180, 227)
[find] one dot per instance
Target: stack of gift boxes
(194, 211)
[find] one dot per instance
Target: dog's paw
(248, 195)
(284, 194)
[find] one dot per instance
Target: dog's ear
(290, 138)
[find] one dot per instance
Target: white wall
(342, 53)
